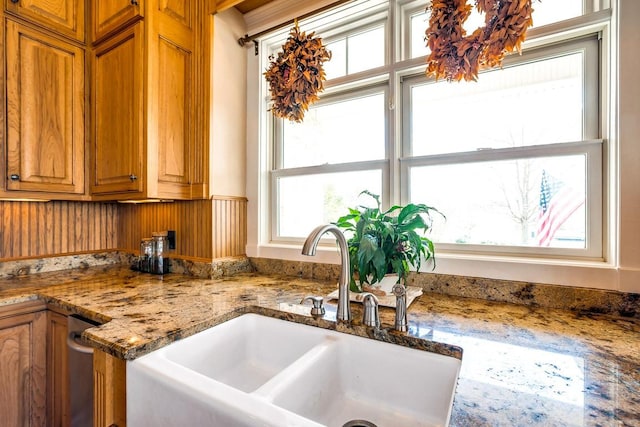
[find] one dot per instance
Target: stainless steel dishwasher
(80, 363)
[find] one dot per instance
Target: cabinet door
(22, 369)
(171, 77)
(111, 15)
(62, 16)
(57, 371)
(45, 112)
(117, 150)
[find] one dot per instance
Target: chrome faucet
(309, 248)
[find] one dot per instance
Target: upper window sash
(345, 96)
(589, 48)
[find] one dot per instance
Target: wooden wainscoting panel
(35, 229)
(208, 229)
(191, 221)
(229, 226)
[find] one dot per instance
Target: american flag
(558, 202)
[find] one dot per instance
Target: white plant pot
(385, 285)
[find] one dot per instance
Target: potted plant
(386, 243)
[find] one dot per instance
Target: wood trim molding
(238, 198)
(21, 308)
(109, 390)
(222, 5)
(279, 11)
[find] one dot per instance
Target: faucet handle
(318, 308)
(370, 316)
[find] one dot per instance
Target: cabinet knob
(15, 1)
(14, 176)
(133, 2)
(132, 177)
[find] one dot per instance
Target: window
(325, 161)
(356, 51)
(514, 160)
(519, 138)
(545, 12)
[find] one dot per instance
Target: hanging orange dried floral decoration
(296, 75)
(456, 55)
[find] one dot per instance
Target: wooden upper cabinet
(117, 143)
(173, 112)
(62, 16)
(145, 114)
(23, 366)
(171, 75)
(45, 112)
(111, 15)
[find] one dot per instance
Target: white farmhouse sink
(260, 371)
(244, 352)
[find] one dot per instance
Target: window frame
(599, 18)
(278, 171)
(591, 147)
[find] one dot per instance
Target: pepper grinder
(145, 261)
(160, 264)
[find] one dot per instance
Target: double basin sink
(256, 370)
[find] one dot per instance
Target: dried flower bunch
(456, 55)
(296, 75)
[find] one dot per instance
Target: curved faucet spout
(309, 248)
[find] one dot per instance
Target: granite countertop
(520, 365)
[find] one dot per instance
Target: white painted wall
(229, 106)
(628, 125)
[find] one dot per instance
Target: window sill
(586, 274)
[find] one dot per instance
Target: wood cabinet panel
(23, 369)
(174, 112)
(45, 112)
(179, 10)
(118, 113)
(171, 85)
(109, 390)
(62, 16)
(111, 15)
(57, 371)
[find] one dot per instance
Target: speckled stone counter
(521, 366)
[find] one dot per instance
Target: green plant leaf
(387, 242)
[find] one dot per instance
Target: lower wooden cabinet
(57, 371)
(34, 374)
(23, 356)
